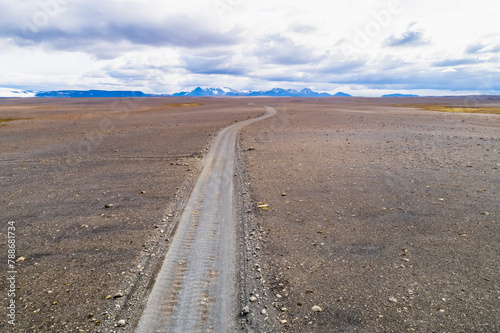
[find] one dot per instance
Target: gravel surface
(375, 217)
(94, 186)
(358, 215)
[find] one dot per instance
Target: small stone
(143, 192)
(485, 213)
(393, 300)
(20, 259)
(283, 321)
(121, 323)
(283, 194)
(253, 299)
(316, 309)
(264, 312)
(246, 310)
(118, 295)
(109, 206)
(251, 148)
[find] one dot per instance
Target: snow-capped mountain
(9, 92)
(275, 92)
(208, 92)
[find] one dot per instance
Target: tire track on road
(196, 287)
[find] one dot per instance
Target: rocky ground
(93, 186)
(360, 215)
(375, 217)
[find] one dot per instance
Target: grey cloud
(408, 38)
(302, 28)
(78, 26)
(276, 49)
(219, 65)
(482, 48)
(474, 48)
(336, 67)
(465, 79)
(455, 62)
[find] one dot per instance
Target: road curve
(196, 287)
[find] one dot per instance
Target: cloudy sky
(362, 47)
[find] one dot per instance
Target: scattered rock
(253, 299)
(485, 213)
(283, 321)
(283, 194)
(121, 323)
(393, 300)
(246, 310)
(143, 192)
(264, 312)
(316, 309)
(118, 295)
(109, 206)
(20, 259)
(251, 148)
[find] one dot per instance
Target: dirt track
(196, 289)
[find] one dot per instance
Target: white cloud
(165, 46)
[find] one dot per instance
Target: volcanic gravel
(377, 217)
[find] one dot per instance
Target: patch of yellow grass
(184, 104)
(4, 120)
(455, 109)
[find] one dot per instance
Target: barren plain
(63, 161)
(383, 218)
(360, 215)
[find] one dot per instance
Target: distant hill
(90, 93)
(341, 94)
(399, 95)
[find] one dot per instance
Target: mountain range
(276, 92)
(198, 92)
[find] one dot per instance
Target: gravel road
(195, 290)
